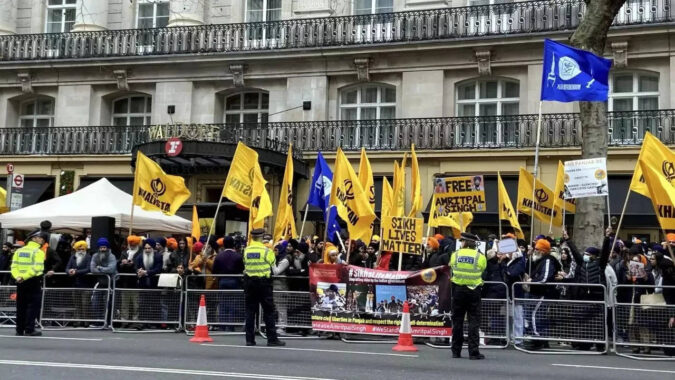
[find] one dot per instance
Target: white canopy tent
(72, 213)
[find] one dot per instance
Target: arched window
(490, 102)
(38, 112)
(633, 91)
(247, 107)
(132, 110)
(368, 102)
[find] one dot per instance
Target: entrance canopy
(73, 212)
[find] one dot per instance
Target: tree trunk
(591, 35)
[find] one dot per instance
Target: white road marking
(313, 350)
(613, 368)
(157, 370)
(52, 337)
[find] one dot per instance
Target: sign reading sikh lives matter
(460, 194)
(401, 234)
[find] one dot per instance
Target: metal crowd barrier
(494, 323)
(151, 308)
(576, 322)
(641, 328)
(67, 303)
(293, 306)
(7, 301)
(225, 308)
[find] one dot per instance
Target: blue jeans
(226, 312)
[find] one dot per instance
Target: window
(489, 101)
(368, 102)
(263, 10)
(60, 16)
(247, 107)
(633, 92)
(152, 14)
(37, 113)
(132, 110)
(366, 7)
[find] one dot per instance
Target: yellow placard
(460, 194)
(400, 234)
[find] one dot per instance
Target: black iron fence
(493, 132)
(426, 25)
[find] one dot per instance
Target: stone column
(91, 15)
(8, 13)
(186, 13)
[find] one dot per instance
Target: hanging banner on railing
(358, 300)
(586, 178)
(460, 194)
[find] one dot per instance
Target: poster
(400, 234)
(481, 246)
(351, 299)
(460, 194)
(586, 178)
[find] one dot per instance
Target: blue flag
(571, 74)
(319, 195)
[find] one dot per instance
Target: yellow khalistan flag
(351, 200)
(416, 188)
(559, 190)
(455, 220)
(657, 156)
(245, 185)
(366, 177)
(387, 198)
(398, 208)
(284, 228)
(543, 207)
(196, 229)
(662, 194)
(155, 190)
(506, 210)
(3, 200)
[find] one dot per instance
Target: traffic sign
(16, 201)
(17, 181)
(10, 168)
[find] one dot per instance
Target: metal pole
(618, 227)
(304, 219)
(535, 173)
(213, 223)
(609, 213)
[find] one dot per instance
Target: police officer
(259, 265)
(27, 268)
(467, 266)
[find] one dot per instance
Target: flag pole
(535, 173)
(609, 213)
(400, 261)
(213, 223)
(618, 227)
(131, 217)
(304, 219)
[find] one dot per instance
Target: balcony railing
(494, 132)
(410, 26)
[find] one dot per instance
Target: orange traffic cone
(405, 339)
(202, 329)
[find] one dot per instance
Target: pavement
(106, 355)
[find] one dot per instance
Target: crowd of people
(137, 261)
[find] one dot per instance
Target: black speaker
(102, 226)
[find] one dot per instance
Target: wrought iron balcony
(494, 132)
(401, 27)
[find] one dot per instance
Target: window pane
(623, 104)
(27, 123)
(70, 15)
(161, 22)
(148, 120)
(233, 102)
(363, 7)
(263, 117)
(53, 27)
(144, 23)
(387, 113)
(42, 122)
(28, 109)
(68, 26)
(623, 83)
(251, 101)
(136, 120)
(71, 1)
(121, 106)
(120, 121)
(349, 97)
(488, 90)
(510, 109)
(251, 118)
(145, 10)
(510, 90)
(389, 95)
(369, 113)
(467, 91)
(349, 114)
(648, 103)
(648, 83)
(487, 110)
(232, 118)
(369, 95)
(163, 9)
(54, 15)
(265, 101)
(137, 104)
(273, 15)
(254, 10)
(56, 2)
(467, 110)
(149, 104)
(384, 6)
(45, 107)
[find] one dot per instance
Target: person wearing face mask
(77, 269)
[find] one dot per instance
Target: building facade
(84, 84)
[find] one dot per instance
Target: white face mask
(587, 259)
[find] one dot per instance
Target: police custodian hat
(469, 237)
(258, 232)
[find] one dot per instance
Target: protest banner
(460, 194)
(481, 246)
(586, 178)
(351, 299)
(507, 246)
(400, 234)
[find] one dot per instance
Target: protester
(149, 266)
(127, 269)
(545, 269)
(230, 263)
(180, 256)
(5, 262)
(79, 265)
